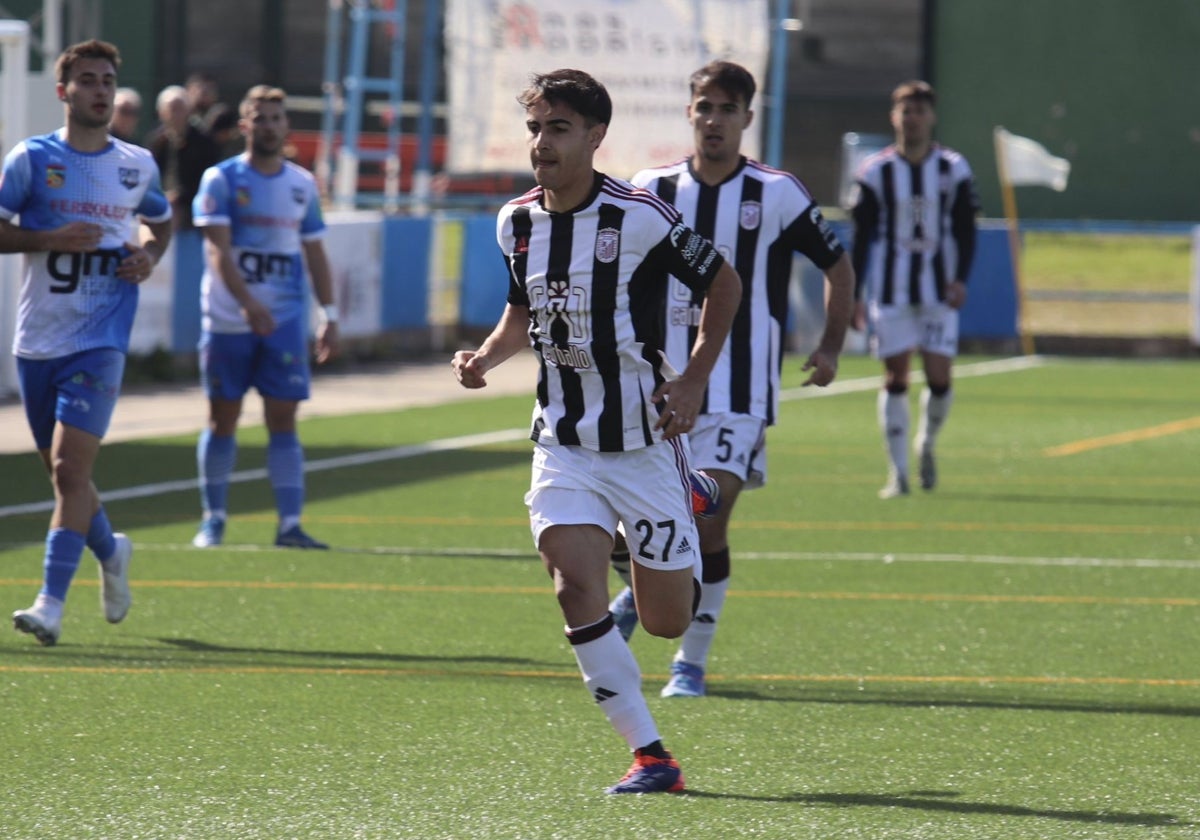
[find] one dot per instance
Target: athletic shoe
(897, 486)
(928, 470)
(687, 680)
(295, 538)
(211, 533)
(43, 621)
(624, 613)
(706, 494)
(115, 597)
(650, 775)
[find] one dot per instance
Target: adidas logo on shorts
(685, 547)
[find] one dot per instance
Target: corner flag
(1024, 162)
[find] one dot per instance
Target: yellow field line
(409, 588)
(158, 669)
(1131, 436)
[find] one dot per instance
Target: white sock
(698, 639)
(934, 410)
(894, 420)
(612, 675)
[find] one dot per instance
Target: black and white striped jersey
(914, 226)
(594, 280)
(758, 218)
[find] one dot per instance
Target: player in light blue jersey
(90, 216)
(262, 222)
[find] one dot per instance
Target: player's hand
(956, 294)
(76, 237)
(258, 317)
(684, 399)
(137, 266)
(329, 342)
(470, 368)
(823, 366)
(860, 316)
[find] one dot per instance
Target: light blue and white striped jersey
(74, 302)
(269, 216)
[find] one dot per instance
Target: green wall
(1111, 85)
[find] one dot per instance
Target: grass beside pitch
(1010, 656)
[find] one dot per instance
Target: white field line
(788, 556)
(1016, 363)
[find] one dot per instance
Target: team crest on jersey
(129, 177)
(56, 175)
(242, 195)
(298, 195)
(608, 241)
(751, 216)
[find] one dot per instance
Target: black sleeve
(689, 256)
(962, 226)
(866, 220)
(812, 236)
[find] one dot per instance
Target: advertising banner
(642, 51)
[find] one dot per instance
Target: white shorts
(647, 490)
(931, 327)
(735, 443)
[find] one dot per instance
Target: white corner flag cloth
(1026, 162)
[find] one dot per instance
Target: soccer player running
(757, 217)
(93, 223)
(589, 257)
(914, 238)
(262, 222)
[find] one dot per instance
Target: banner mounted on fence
(642, 51)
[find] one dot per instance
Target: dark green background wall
(1111, 85)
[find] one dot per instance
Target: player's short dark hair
(259, 94)
(586, 96)
(732, 78)
(915, 91)
(84, 49)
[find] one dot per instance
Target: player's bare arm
(328, 337)
(840, 310)
(509, 337)
(218, 247)
(685, 395)
(73, 237)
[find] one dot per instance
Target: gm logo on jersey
(608, 241)
(56, 175)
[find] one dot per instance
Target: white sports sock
(934, 411)
(698, 638)
(894, 421)
(612, 675)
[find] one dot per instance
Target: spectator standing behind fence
(758, 217)
(127, 113)
(93, 223)
(589, 258)
(914, 239)
(262, 224)
(182, 151)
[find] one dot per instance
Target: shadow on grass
(948, 802)
(926, 701)
(180, 654)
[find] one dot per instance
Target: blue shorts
(79, 390)
(276, 364)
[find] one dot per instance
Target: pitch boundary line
(791, 556)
